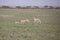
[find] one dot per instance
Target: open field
(12, 29)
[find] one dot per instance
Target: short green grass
(49, 29)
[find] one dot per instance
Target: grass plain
(49, 29)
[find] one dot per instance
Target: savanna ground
(49, 29)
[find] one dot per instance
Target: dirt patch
(7, 15)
